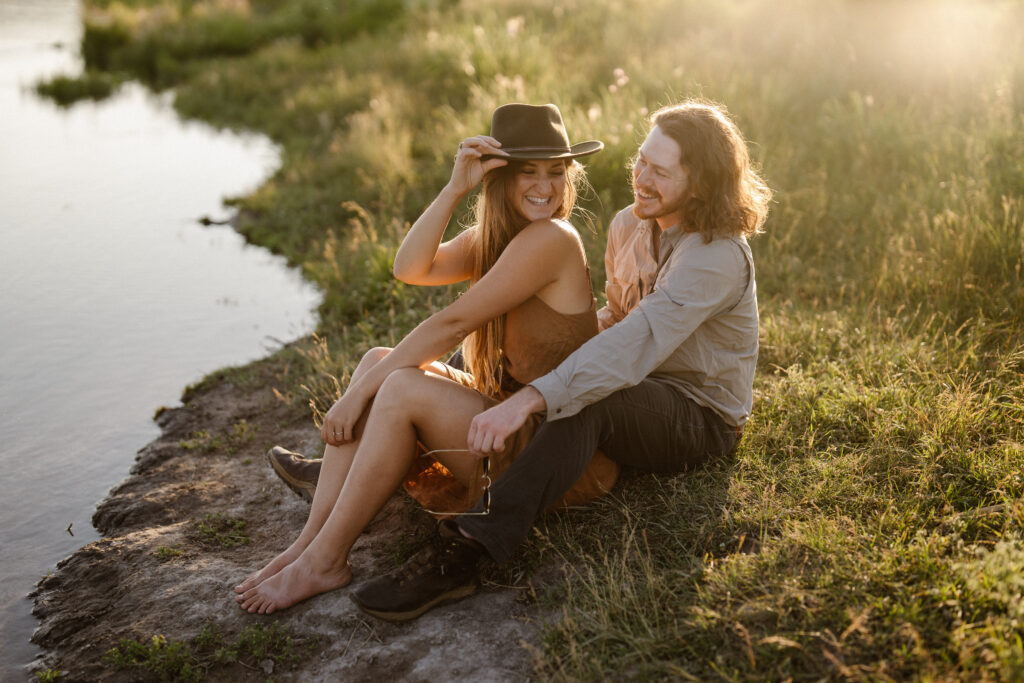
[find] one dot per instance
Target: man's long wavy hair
(497, 222)
(727, 197)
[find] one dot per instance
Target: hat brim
(580, 149)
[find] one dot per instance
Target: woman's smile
(538, 188)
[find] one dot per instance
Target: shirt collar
(671, 235)
(670, 238)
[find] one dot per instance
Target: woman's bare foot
(296, 582)
(272, 567)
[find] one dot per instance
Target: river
(112, 296)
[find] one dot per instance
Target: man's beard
(658, 211)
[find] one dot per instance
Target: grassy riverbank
(870, 525)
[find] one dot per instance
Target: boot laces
(436, 556)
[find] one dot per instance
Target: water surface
(112, 297)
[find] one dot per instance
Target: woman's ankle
(324, 562)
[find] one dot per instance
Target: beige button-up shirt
(679, 311)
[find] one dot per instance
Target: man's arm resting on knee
(490, 429)
(699, 282)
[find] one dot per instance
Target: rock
(148, 577)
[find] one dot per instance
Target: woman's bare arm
(535, 258)
(422, 259)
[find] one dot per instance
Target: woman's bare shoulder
(551, 233)
(468, 233)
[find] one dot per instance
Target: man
(667, 384)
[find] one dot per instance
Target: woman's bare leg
(336, 463)
(411, 404)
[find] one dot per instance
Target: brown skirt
(434, 487)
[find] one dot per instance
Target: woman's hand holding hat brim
(476, 156)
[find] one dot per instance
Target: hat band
(536, 149)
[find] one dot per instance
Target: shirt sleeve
(606, 314)
(612, 312)
(695, 285)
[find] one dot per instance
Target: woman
(529, 306)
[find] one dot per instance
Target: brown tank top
(538, 338)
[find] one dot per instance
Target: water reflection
(112, 297)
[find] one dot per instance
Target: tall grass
(870, 524)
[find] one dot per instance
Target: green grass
(166, 552)
(162, 659)
(91, 85)
(869, 526)
(209, 652)
(230, 441)
(219, 531)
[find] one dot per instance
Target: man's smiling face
(660, 183)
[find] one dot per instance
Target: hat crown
(522, 127)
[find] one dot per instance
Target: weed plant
(869, 525)
(91, 85)
(219, 531)
(166, 552)
(229, 442)
(208, 653)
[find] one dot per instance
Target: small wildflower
(514, 25)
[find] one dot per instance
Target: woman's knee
(401, 386)
(375, 355)
(371, 358)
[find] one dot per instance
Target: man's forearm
(529, 400)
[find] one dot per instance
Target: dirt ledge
(124, 586)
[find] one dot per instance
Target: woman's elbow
(404, 273)
(399, 270)
(453, 329)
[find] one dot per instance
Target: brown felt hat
(536, 131)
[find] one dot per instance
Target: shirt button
(557, 410)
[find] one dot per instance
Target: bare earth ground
(125, 586)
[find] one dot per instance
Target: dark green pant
(650, 426)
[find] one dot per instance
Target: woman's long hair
(727, 196)
(497, 222)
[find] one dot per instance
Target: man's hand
(489, 429)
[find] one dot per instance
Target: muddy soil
(154, 572)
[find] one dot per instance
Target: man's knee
(561, 438)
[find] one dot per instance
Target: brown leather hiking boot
(443, 570)
(299, 473)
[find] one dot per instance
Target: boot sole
(301, 488)
(450, 596)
